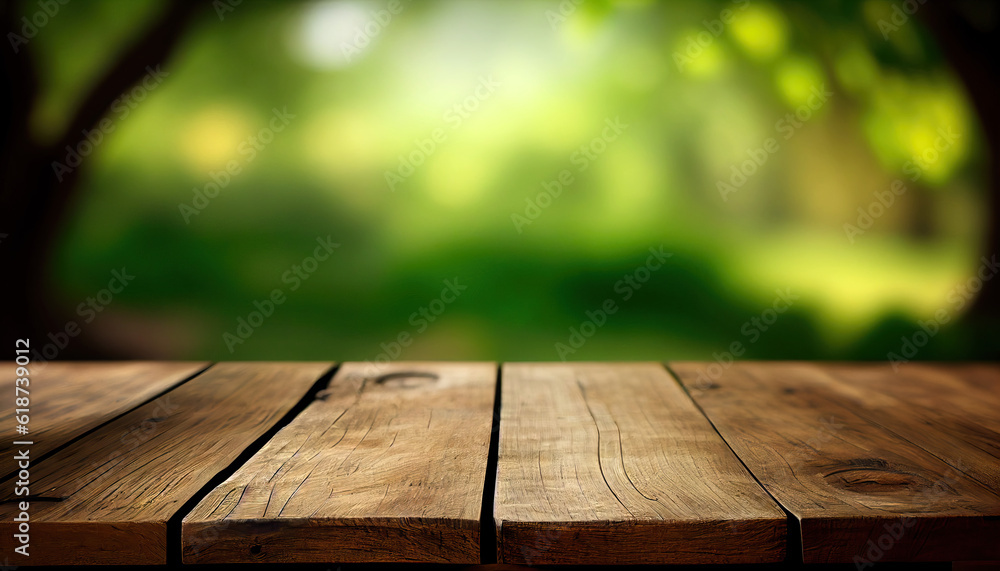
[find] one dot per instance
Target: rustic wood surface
(598, 463)
(385, 467)
(613, 463)
(106, 498)
(877, 466)
(951, 411)
(68, 399)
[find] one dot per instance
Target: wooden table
(148, 463)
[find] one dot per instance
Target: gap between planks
(174, 551)
(793, 530)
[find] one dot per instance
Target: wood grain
(876, 466)
(613, 464)
(381, 468)
(70, 398)
(106, 498)
(948, 408)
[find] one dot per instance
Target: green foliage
(559, 82)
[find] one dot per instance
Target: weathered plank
(613, 463)
(946, 409)
(106, 498)
(67, 399)
(876, 466)
(380, 468)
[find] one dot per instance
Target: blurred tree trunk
(33, 201)
(967, 33)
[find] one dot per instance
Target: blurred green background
(694, 102)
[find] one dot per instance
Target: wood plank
(611, 463)
(948, 408)
(381, 468)
(876, 466)
(70, 398)
(106, 498)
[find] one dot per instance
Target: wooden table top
(150, 463)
